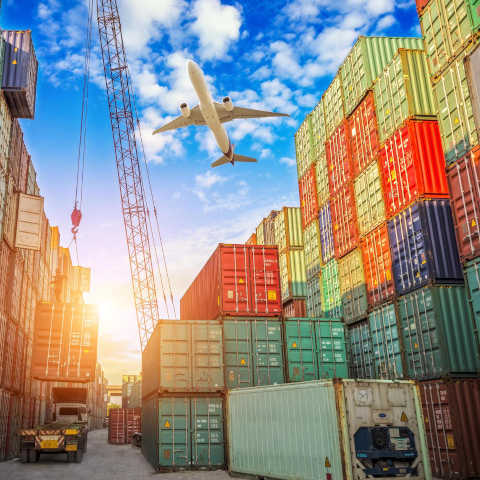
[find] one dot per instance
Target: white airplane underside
(214, 114)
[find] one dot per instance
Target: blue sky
(272, 54)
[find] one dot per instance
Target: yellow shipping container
(318, 130)
(5, 129)
(321, 177)
(312, 249)
(288, 228)
(333, 105)
(304, 146)
(293, 278)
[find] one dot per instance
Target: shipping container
(369, 199)
(19, 80)
(236, 280)
(288, 229)
(29, 220)
(5, 129)
(388, 438)
(315, 349)
(451, 409)
(307, 186)
(423, 246)
(3, 199)
(15, 151)
(472, 276)
(363, 132)
(331, 299)
(65, 342)
(295, 308)
(333, 105)
(133, 423)
(472, 69)
(412, 165)
(464, 182)
(360, 349)
(318, 130)
(312, 249)
(10, 213)
(321, 179)
(5, 397)
(344, 221)
(327, 246)
(252, 239)
(447, 27)
(377, 266)
(313, 299)
(402, 91)
(184, 432)
(386, 342)
(339, 158)
(365, 62)
(292, 274)
(438, 333)
(183, 356)
(116, 426)
(304, 146)
(421, 4)
(455, 111)
(352, 287)
(260, 233)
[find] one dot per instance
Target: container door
(238, 359)
(267, 352)
(174, 436)
(235, 279)
(208, 444)
(301, 356)
(28, 227)
(331, 349)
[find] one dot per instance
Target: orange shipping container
(339, 163)
(252, 240)
(307, 186)
(377, 265)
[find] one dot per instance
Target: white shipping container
(29, 222)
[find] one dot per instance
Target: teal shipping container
(386, 342)
(183, 432)
(438, 333)
(360, 350)
(472, 275)
(312, 431)
(315, 349)
(252, 351)
(183, 356)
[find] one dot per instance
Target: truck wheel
(70, 457)
(36, 456)
(84, 445)
(24, 455)
(78, 456)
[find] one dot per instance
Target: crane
(124, 121)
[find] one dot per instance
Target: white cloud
(385, 22)
(261, 73)
(217, 26)
(208, 179)
(290, 162)
(307, 100)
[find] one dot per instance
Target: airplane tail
(236, 158)
(221, 161)
(243, 158)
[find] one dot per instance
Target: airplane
(214, 114)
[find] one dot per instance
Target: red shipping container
(464, 181)
(344, 221)
(237, 280)
(363, 131)
(377, 266)
(339, 158)
(451, 409)
(421, 4)
(307, 187)
(295, 308)
(116, 426)
(412, 165)
(133, 422)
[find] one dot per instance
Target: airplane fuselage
(208, 109)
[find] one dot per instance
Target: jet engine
(185, 110)
(227, 103)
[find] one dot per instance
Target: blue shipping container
(326, 233)
(424, 248)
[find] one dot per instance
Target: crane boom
(132, 194)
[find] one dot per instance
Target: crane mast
(132, 194)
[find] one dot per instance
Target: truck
(67, 433)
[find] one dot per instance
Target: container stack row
(131, 391)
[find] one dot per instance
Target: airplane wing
(195, 118)
(240, 112)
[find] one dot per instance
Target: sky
(275, 55)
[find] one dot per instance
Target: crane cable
(76, 215)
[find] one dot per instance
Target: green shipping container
(360, 350)
(312, 249)
(183, 356)
(314, 296)
(181, 433)
(318, 130)
(237, 352)
(472, 274)
(330, 289)
(321, 178)
(386, 342)
(447, 27)
(304, 146)
(455, 111)
(438, 333)
(315, 349)
(366, 61)
(293, 277)
(312, 431)
(288, 228)
(403, 90)
(333, 106)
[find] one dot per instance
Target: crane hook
(76, 218)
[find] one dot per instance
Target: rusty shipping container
(451, 409)
(65, 342)
(237, 280)
(307, 186)
(340, 168)
(295, 308)
(19, 81)
(412, 165)
(464, 181)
